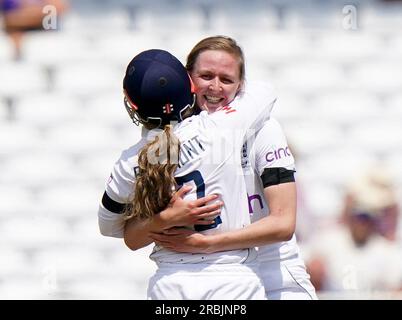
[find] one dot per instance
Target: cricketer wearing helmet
(158, 91)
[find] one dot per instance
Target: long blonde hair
(155, 184)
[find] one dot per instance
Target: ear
(193, 88)
(240, 88)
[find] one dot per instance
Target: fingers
(163, 244)
(204, 200)
(208, 218)
(159, 239)
(204, 222)
(170, 233)
(157, 236)
(206, 211)
(178, 231)
(183, 191)
(163, 240)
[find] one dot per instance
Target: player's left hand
(182, 240)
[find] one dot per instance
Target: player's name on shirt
(189, 150)
(202, 147)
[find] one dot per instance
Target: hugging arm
(179, 213)
(278, 226)
(279, 188)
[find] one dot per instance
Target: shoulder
(129, 157)
(273, 125)
(190, 121)
(133, 151)
(255, 96)
(271, 132)
(253, 85)
(259, 90)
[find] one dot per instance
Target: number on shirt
(200, 188)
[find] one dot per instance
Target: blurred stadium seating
(63, 124)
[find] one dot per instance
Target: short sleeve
(271, 149)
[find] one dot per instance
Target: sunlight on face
(216, 77)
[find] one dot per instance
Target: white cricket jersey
(210, 161)
(269, 149)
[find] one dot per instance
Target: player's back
(210, 161)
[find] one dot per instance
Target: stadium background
(63, 124)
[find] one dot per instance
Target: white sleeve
(118, 192)
(110, 224)
(247, 113)
(271, 148)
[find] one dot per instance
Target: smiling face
(216, 77)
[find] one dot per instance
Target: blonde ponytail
(155, 185)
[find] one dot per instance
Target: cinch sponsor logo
(277, 154)
(251, 198)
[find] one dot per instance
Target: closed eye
(227, 81)
(206, 76)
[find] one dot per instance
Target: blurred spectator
(356, 256)
(374, 192)
(20, 16)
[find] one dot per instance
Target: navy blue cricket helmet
(157, 88)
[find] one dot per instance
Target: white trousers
(287, 280)
(206, 282)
